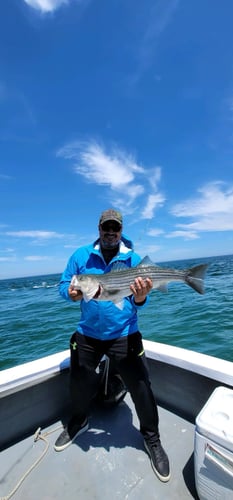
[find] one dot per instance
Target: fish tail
(195, 277)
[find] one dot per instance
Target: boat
(109, 460)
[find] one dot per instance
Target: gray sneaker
(159, 459)
(71, 431)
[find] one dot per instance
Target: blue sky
(114, 103)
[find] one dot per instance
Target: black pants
(128, 356)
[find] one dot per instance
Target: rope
(37, 436)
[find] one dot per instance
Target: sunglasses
(108, 226)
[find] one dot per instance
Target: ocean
(35, 321)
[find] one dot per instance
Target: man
(106, 329)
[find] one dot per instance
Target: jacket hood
(128, 243)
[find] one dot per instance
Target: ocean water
(35, 321)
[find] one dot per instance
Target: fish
(114, 286)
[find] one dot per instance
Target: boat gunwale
(24, 375)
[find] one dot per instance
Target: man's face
(110, 234)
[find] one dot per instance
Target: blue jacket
(102, 320)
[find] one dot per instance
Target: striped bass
(115, 285)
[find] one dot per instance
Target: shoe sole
(64, 446)
(164, 479)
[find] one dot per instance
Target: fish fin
(87, 296)
(119, 266)
(146, 261)
(195, 276)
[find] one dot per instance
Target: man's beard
(109, 245)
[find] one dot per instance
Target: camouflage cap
(111, 214)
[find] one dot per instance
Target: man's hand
(74, 295)
(141, 288)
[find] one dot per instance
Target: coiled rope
(38, 435)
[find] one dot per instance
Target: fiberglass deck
(108, 461)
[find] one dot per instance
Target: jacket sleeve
(71, 269)
(139, 306)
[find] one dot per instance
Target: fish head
(87, 284)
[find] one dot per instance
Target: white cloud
(212, 209)
(5, 177)
(134, 191)
(187, 235)
(117, 170)
(155, 232)
(159, 17)
(154, 176)
(35, 234)
(212, 200)
(7, 259)
(70, 246)
(46, 5)
(223, 222)
(35, 258)
(21, 113)
(154, 201)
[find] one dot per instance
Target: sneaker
(71, 431)
(159, 460)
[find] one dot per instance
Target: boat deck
(108, 461)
